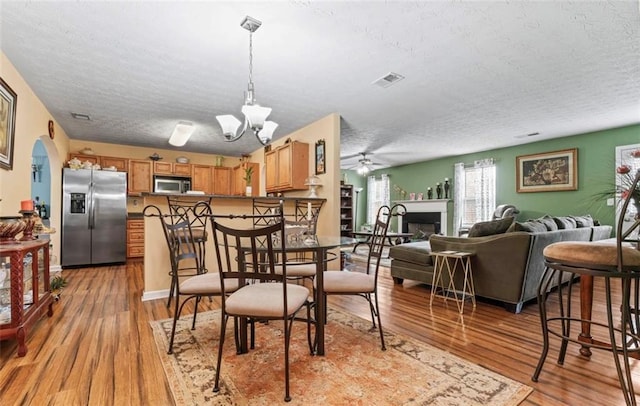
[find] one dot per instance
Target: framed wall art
(8, 101)
(547, 172)
(320, 158)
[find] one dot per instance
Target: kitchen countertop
(200, 196)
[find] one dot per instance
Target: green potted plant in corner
(248, 173)
(58, 282)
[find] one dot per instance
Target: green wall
(596, 173)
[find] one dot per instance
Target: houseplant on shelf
(248, 173)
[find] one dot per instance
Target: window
(377, 196)
(475, 197)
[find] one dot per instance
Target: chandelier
(255, 116)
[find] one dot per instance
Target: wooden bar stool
(612, 261)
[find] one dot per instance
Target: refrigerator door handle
(91, 207)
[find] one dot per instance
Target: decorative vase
(248, 191)
(446, 188)
(429, 193)
(439, 190)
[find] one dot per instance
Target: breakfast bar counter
(156, 258)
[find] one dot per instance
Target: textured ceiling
(479, 75)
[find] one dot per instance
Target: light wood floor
(98, 348)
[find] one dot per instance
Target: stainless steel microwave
(171, 184)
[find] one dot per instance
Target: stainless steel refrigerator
(94, 217)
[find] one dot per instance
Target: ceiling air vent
(80, 116)
(388, 79)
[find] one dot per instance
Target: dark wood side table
(25, 293)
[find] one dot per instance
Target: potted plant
(57, 284)
(248, 173)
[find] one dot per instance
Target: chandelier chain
(251, 58)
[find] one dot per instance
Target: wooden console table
(25, 293)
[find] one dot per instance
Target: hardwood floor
(98, 348)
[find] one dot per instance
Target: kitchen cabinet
(25, 290)
(139, 177)
(201, 178)
(121, 164)
(287, 167)
(135, 238)
(170, 168)
(221, 180)
(346, 210)
(238, 182)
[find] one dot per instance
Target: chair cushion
(206, 284)
(595, 255)
(348, 282)
(492, 227)
(265, 300)
(298, 270)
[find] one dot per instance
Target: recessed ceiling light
(388, 79)
(79, 116)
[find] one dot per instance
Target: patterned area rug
(354, 370)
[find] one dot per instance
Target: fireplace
(421, 223)
(422, 213)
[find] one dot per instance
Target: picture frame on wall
(547, 172)
(8, 102)
(321, 166)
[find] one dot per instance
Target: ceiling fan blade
(349, 156)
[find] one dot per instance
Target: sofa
(508, 261)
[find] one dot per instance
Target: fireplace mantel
(426, 206)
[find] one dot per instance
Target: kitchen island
(156, 258)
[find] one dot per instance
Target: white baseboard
(156, 294)
(54, 269)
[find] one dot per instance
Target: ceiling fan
(365, 165)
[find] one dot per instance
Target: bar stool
(607, 260)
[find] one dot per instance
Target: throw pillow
(583, 221)
(492, 227)
(531, 227)
(565, 223)
(548, 222)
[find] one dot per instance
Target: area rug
(361, 255)
(354, 371)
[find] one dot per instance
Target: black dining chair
(248, 257)
(184, 260)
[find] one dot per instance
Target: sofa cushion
(565, 222)
(583, 221)
(548, 222)
(531, 227)
(418, 252)
(492, 227)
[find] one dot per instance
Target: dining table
(321, 247)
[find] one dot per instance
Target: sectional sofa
(508, 261)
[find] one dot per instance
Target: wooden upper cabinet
(221, 180)
(121, 164)
(201, 178)
(287, 167)
(182, 169)
(271, 170)
(139, 177)
(170, 168)
(162, 168)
